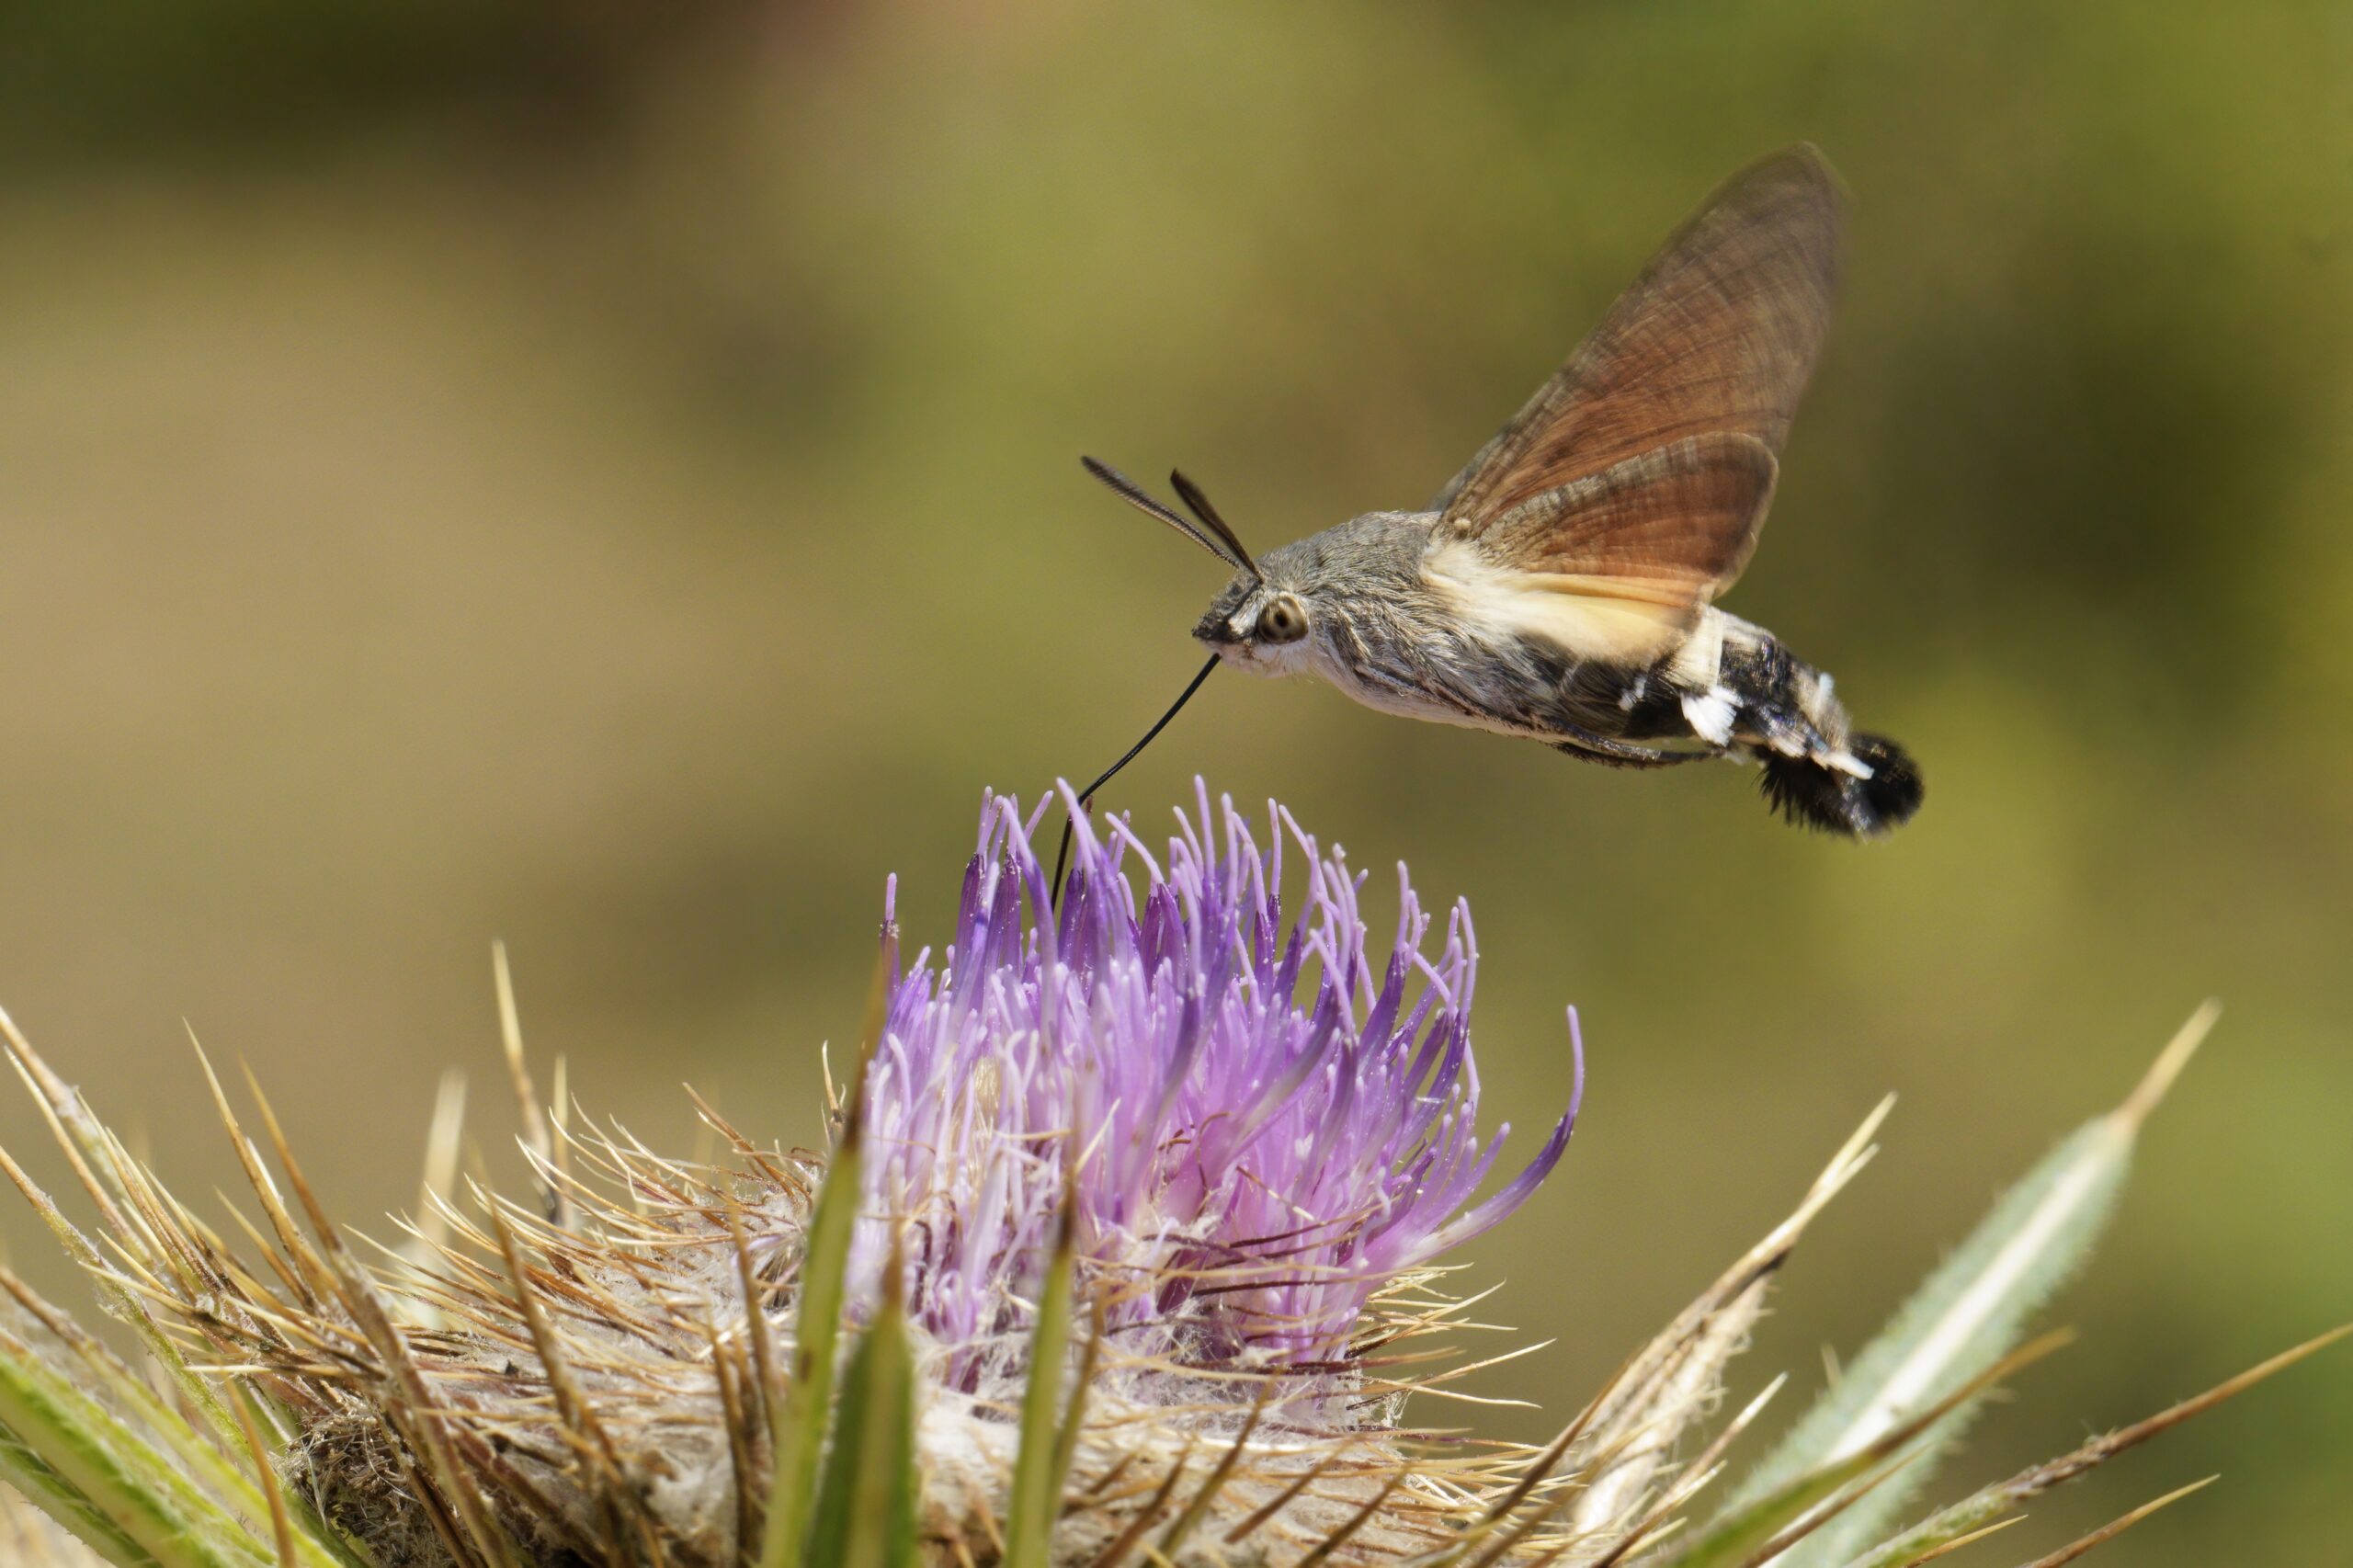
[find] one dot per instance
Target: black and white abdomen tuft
(1818, 770)
(1818, 793)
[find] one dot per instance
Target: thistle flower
(1257, 1127)
(1130, 1214)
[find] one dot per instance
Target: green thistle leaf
(94, 1369)
(1965, 1317)
(1043, 1463)
(802, 1421)
(82, 1452)
(29, 1473)
(804, 1414)
(1751, 1534)
(865, 1508)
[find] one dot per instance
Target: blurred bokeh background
(604, 476)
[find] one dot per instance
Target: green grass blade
(866, 1506)
(1965, 1317)
(46, 1490)
(121, 1477)
(1074, 1412)
(101, 1372)
(1038, 1473)
(798, 1437)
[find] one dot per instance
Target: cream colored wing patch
(1588, 617)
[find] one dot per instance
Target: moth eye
(1284, 620)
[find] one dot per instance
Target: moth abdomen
(1818, 770)
(1816, 793)
(1894, 789)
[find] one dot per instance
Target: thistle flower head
(1258, 1121)
(1205, 1114)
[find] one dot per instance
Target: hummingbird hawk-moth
(1563, 586)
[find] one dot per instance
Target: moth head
(1260, 620)
(1260, 623)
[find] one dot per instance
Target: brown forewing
(1673, 526)
(1718, 335)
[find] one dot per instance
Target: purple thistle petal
(1262, 1124)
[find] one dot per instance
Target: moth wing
(1669, 528)
(1710, 347)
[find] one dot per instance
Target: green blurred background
(604, 476)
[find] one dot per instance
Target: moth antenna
(1128, 489)
(1199, 504)
(1061, 856)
